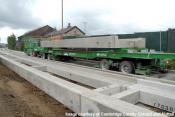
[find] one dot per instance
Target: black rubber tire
(127, 67)
(104, 64)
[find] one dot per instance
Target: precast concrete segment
(72, 74)
(110, 78)
(96, 42)
(29, 63)
(131, 96)
(83, 75)
(67, 93)
(93, 107)
(92, 82)
(142, 83)
(156, 94)
(40, 67)
(22, 54)
(79, 76)
(16, 52)
(159, 98)
(112, 89)
(158, 85)
(109, 90)
(91, 70)
(77, 98)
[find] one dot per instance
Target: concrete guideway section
(77, 98)
(109, 74)
(89, 77)
(155, 94)
(132, 97)
(48, 83)
(121, 86)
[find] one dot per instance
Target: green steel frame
(139, 57)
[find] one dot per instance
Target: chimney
(69, 25)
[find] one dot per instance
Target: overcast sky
(94, 16)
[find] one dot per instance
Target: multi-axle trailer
(126, 55)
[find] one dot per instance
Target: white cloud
(7, 31)
(106, 16)
(47, 11)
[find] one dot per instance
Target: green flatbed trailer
(125, 60)
(139, 61)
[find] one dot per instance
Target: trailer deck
(126, 55)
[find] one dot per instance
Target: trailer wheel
(127, 67)
(104, 64)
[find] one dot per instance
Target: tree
(11, 41)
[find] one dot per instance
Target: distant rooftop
(39, 32)
(63, 31)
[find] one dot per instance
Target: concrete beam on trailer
(77, 98)
(96, 42)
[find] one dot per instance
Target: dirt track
(19, 98)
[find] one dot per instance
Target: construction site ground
(19, 98)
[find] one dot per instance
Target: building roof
(39, 32)
(63, 31)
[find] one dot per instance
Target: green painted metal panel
(152, 39)
(155, 40)
(171, 40)
(143, 55)
(114, 54)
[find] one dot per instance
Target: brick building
(70, 31)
